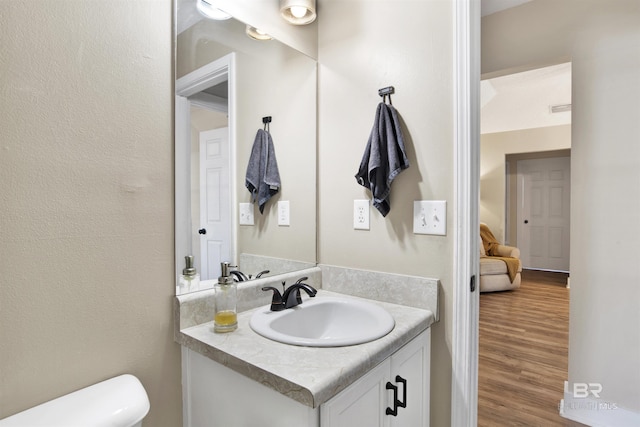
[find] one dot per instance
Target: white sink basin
(324, 321)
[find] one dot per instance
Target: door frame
(220, 70)
(464, 333)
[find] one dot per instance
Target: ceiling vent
(561, 108)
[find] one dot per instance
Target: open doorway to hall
(525, 182)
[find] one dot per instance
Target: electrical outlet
(283, 213)
(246, 214)
(430, 217)
(361, 214)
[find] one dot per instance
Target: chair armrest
(508, 251)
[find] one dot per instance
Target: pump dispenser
(226, 317)
(189, 279)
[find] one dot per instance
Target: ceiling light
(257, 34)
(298, 12)
(205, 8)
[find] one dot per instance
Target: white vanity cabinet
(214, 395)
(393, 394)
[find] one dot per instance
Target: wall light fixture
(257, 34)
(205, 8)
(298, 12)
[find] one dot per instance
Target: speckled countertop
(309, 375)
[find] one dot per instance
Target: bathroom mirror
(246, 80)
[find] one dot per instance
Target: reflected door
(544, 189)
(215, 201)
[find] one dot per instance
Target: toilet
(117, 402)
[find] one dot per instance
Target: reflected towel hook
(266, 120)
(386, 91)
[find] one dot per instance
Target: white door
(544, 189)
(215, 202)
(410, 370)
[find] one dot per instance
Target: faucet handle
(259, 275)
(277, 303)
(300, 280)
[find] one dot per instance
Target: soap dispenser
(189, 279)
(226, 317)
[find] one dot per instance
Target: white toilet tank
(117, 402)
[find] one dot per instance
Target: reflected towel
(384, 158)
(262, 178)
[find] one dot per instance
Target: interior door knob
(526, 221)
(202, 231)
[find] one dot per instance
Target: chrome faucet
(239, 276)
(291, 296)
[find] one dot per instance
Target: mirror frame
(216, 72)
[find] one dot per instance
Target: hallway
(523, 352)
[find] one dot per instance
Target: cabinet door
(368, 401)
(410, 368)
(360, 404)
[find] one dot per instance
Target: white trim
(209, 75)
(182, 191)
(206, 76)
(597, 412)
(209, 102)
(464, 335)
(186, 386)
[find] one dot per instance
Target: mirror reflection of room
(271, 79)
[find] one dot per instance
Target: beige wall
(364, 46)
(601, 38)
(86, 205)
(284, 88)
(493, 150)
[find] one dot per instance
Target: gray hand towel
(384, 158)
(262, 178)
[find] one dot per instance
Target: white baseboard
(597, 412)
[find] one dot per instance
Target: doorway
(524, 198)
(202, 104)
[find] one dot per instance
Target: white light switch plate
(283, 213)
(361, 214)
(246, 214)
(430, 217)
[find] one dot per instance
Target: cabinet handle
(394, 411)
(399, 379)
(397, 403)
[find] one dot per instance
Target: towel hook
(266, 120)
(386, 91)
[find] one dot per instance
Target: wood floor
(523, 353)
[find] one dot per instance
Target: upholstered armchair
(495, 262)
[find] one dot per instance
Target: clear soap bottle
(189, 279)
(226, 317)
